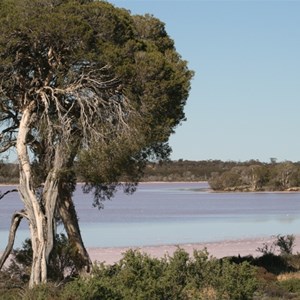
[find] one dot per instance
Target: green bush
(291, 285)
(238, 281)
(62, 261)
(41, 292)
(138, 276)
(90, 289)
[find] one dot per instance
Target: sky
(245, 97)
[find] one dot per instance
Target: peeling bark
(40, 211)
(15, 222)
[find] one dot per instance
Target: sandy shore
(220, 249)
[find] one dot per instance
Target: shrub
(285, 243)
(9, 287)
(291, 285)
(41, 292)
(62, 261)
(275, 264)
(138, 276)
(238, 281)
(90, 289)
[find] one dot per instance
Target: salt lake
(172, 213)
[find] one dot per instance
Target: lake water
(173, 213)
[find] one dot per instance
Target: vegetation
(9, 173)
(217, 172)
(251, 175)
(138, 276)
(284, 176)
(82, 81)
(270, 276)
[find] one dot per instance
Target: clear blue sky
(245, 97)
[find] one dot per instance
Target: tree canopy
(83, 84)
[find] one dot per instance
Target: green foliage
(180, 276)
(285, 262)
(291, 285)
(258, 177)
(255, 175)
(90, 289)
(89, 84)
(49, 46)
(138, 276)
(63, 261)
(41, 292)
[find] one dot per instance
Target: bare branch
(7, 137)
(7, 146)
(92, 104)
(7, 192)
(15, 222)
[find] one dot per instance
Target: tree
(83, 85)
(285, 175)
(255, 176)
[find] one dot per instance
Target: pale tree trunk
(39, 209)
(33, 208)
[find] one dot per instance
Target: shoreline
(210, 190)
(218, 249)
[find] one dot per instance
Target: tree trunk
(67, 211)
(68, 215)
(36, 217)
(40, 209)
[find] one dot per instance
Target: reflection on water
(174, 213)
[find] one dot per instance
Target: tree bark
(35, 215)
(68, 215)
(39, 209)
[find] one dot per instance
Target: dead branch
(15, 222)
(7, 192)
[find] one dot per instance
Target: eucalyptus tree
(83, 85)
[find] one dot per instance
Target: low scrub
(180, 276)
(139, 276)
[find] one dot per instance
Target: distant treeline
(186, 170)
(251, 175)
(9, 173)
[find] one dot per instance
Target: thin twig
(7, 192)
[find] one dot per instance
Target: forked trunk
(39, 208)
(38, 230)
